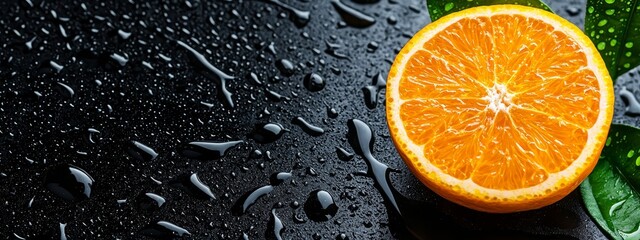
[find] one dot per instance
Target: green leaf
(440, 8)
(614, 28)
(610, 193)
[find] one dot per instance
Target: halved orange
(500, 108)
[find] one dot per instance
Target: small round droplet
(332, 112)
(392, 20)
(268, 133)
(320, 206)
(342, 236)
(285, 66)
(314, 82)
(256, 154)
(372, 46)
(573, 11)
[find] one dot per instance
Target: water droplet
(351, 16)
(286, 67)
(254, 79)
(66, 90)
(124, 35)
(633, 106)
(268, 132)
(610, 11)
(31, 202)
(371, 92)
(275, 228)
(332, 112)
(610, 1)
(332, 49)
(630, 153)
(320, 206)
(63, 234)
(372, 46)
(121, 60)
(205, 150)
(361, 139)
(608, 142)
(448, 6)
(342, 236)
(392, 20)
(628, 45)
(590, 9)
(29, 44)
(213, 73)
(573, 11)
(343, 154)
(602, 22)
(274, 96)
(278, 178)
(69, 182)
(192, 184)
(56, 66)
(249, 198)
(312, 172)
(298, 218)
(299, 17)
(632, 234)
(313, 82)
(308, 127)
(150, 201)
(615, 207)
(601, 46)
(141, 152)
(164, 230)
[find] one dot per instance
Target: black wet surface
(129, 93)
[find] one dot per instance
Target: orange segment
(500, 108)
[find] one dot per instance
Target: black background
(173, 104)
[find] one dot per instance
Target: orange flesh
(499, 101)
